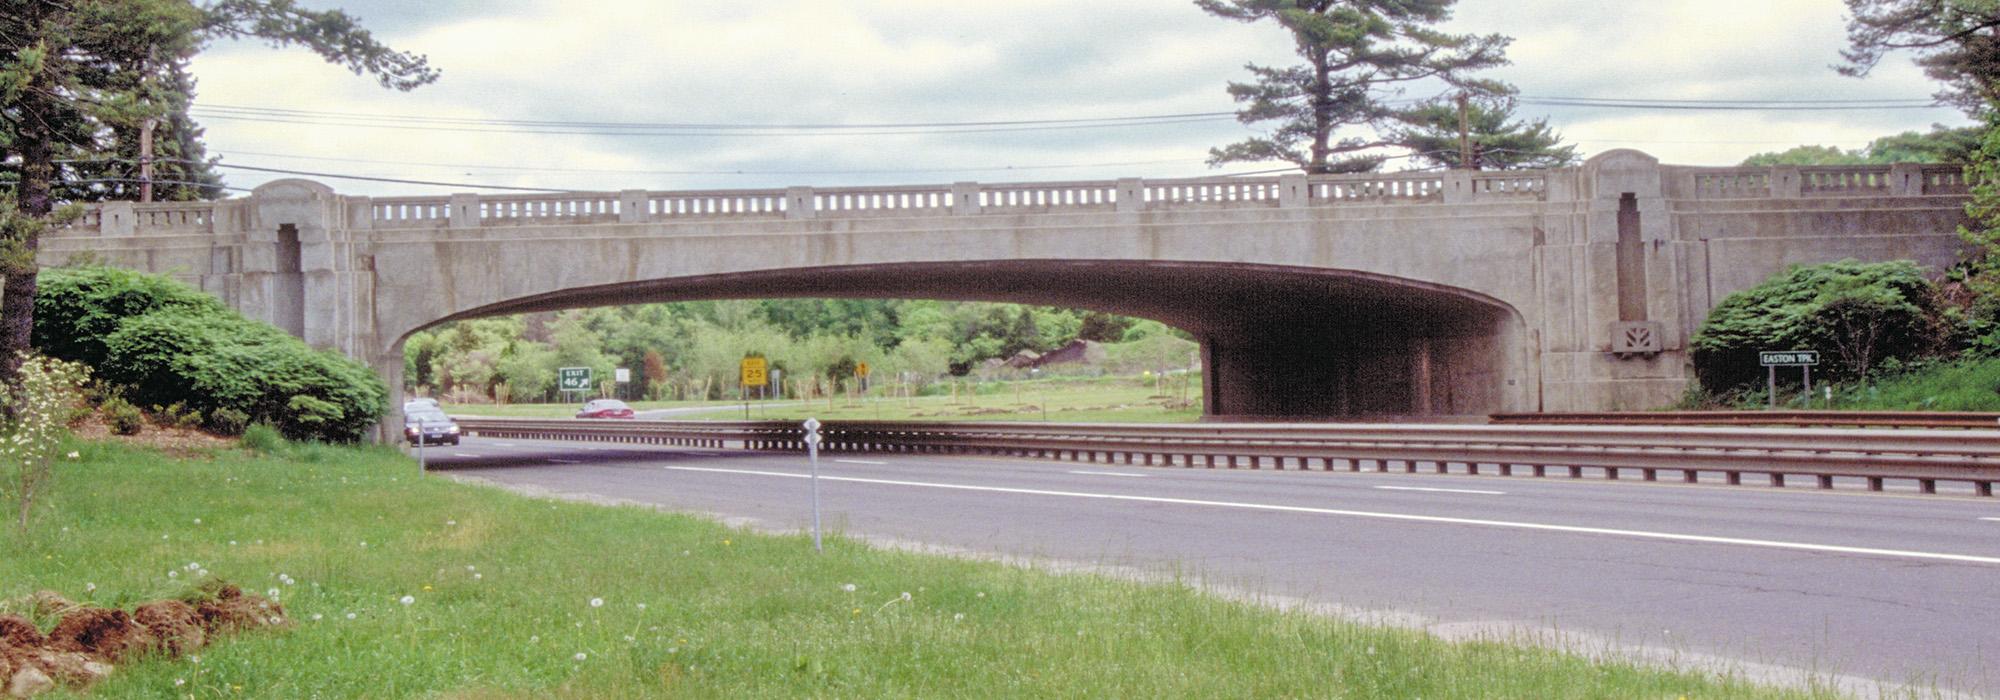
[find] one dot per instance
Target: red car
(605, 408)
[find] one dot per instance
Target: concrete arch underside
(1282, 342)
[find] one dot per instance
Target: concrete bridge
(1408, 294)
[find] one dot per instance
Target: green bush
(1857, 315)
(263, 439)
(227, 421)
(126, 419)
(177, 349)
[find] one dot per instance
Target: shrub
(227, 421)
(263, 439)
(1856, 314)
(179, 346)
(126, 419)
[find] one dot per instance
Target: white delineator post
(812, 451)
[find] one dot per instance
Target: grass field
(516, 597)
(1114, 400)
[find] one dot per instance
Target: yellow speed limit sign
(861, 369)
(756, 372)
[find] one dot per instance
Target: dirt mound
(88, 640)
(101, 633)
(231, 610)
(175, 625)
(17, 632)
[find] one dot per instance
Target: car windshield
(603, 404)
(416, 417)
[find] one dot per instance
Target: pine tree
(1358, 54)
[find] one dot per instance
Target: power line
(247, 110)
(401, 181)
(896, 171)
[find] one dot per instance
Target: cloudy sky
(906, 62)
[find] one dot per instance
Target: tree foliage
(1942, 144)
(1431, 131)
(80, 78)
(162, 343)
(1957, 42)
(1358, 54)
(1857, 314)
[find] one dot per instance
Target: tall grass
(515, 597)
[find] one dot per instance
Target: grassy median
(517, 597)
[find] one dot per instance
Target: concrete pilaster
(964, 198)
(1293, 191)
(117, 219)
(1906, 179)
(632, 206)
(801, 203)
(1457, 186)
(1131, 194)
(1787, 181)
(464, 210)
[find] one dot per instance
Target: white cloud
(794, 61)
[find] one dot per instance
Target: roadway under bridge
(1427, 295)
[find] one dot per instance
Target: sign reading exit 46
(573, 379)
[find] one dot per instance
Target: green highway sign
(1788, 358)
(573, 379)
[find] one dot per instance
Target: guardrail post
(1458, 186)
(964, 198)
(632, 207)
(464, 210)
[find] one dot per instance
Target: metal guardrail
(1802, 419)
(1693, 454)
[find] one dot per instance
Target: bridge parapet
(971, 198)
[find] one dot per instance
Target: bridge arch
(1278, 341)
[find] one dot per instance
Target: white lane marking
(1996, 520)
(503, 444)
(565, 461)
(1422, 488)
(463, 454)
(1135, 476)
(1642, 534)
(859, 461)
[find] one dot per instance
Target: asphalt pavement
(1900, 588)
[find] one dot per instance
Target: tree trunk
(17, 302)
(1322, 107)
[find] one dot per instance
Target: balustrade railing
(638, 206)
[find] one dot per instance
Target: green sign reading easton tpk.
(573, 379)
(1788, 358)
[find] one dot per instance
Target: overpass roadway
(1870, 588)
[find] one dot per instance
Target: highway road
(1892, 587)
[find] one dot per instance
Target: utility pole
(1465, 131)
(146, 159)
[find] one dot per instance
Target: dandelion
(364, 545)
(980, 594)
(849, 587)
(173, 574)
(90, 588)
(197, 521)
(642, 606)
(469, 567)
(317, 616)
(630, 639)
(202, 573)
(596, 602)
(73, 454)
(725, 543)
(906, 596)
(451, 522)
(191, 566)
(580, 656)
(408, 599)
(178, 682)
(350, 616)
(477, 577)
(534, 638)
(958, 617)
(232, 543)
